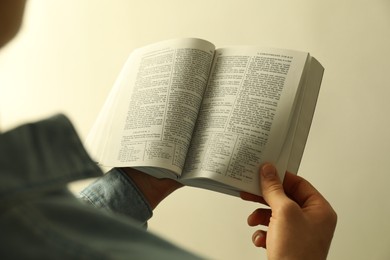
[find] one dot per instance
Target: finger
(259, 238)
(260, 217)
(300, 190)
(251, 197)
(271, 185)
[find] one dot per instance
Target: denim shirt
(41, 219)
(115, 192)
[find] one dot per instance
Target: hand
(300, 222)
(154, 189)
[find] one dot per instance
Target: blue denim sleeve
(116, 192)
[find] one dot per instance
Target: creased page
(160, 92)
(245, 114)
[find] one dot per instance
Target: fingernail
(257, 240)
(268, 171)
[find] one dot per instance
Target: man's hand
(300, 222)
(154, 189)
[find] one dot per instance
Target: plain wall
(69, 53)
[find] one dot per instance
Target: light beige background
(69, 53)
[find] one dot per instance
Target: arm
(128, 192)
(300, 222)
(154, 190)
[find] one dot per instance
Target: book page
(155, 104)
(314, 73)
(245, 115)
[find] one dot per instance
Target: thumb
(271, 184)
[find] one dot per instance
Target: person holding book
(41, 219)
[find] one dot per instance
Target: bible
(208, 117)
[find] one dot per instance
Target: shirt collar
(42, 156)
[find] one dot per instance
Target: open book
(208, 117)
